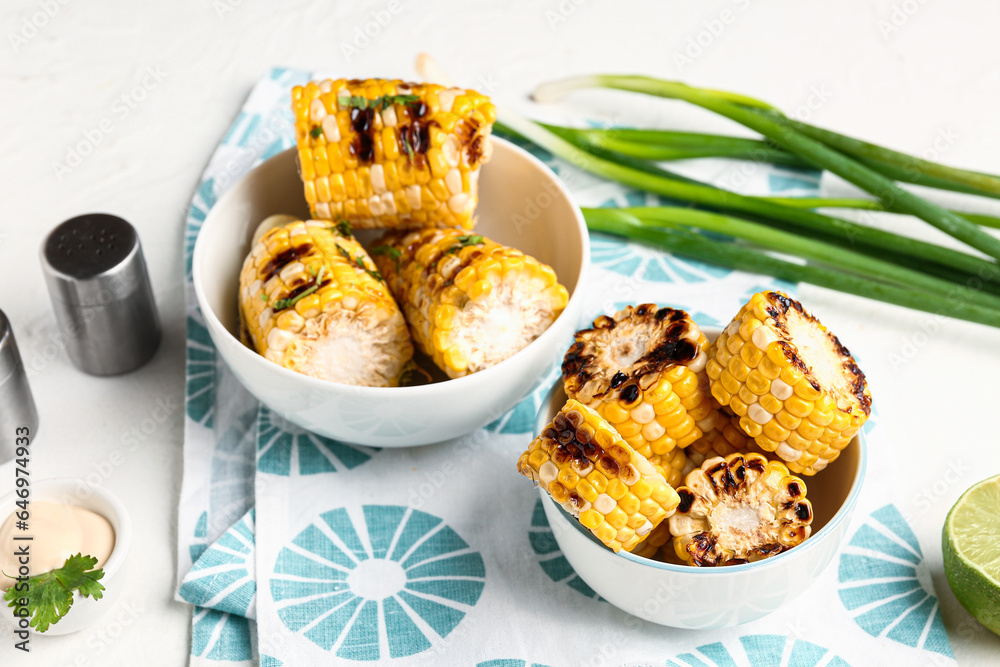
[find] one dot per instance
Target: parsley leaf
(406, 145)
(315, 132)
(282, 304)
(343, 227)
(359, 262)
(49, 596)
(464, 240)
(377, 103)
(390, 252)
(343, 253)
(359, 101)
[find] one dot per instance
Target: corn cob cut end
(594, 475)
(795, 388)
(311, 301)
(386, 153)
(739, 509)
(641, 371)
(470, 302)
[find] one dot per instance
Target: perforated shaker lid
(93, 259)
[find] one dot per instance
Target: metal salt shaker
(100, 290)
(17, 406)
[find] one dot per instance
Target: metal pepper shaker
(101, 293)
(17, 405)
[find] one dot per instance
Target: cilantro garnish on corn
(738, 509)
(312, 301)
(597, 477)
(382, 153)
(796, 389)
(640, 371)
(470, 302)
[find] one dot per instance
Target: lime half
(971, 544)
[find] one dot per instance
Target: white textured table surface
(904, 73)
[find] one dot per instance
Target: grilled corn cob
(381, 153)
(311, 301)
(470, 302)
(737, 509)
(723, 436)
(653, 545)
(640, 371)
(673, 465)
(796, 390)
(588, 469)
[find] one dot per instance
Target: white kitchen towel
(442, 555)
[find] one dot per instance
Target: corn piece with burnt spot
(738, 509)
(386, 153)
(796, 389)
(470, 302)
(311, 301)
(642, 371)
(582, 462)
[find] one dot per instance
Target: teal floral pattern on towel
(383, 582)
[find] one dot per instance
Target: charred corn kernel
(382, 136)
(641, 370)
(806, 393)
(306, 304)
(468, 307)
(597, 477)
(737, 509)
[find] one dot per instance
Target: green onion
(869, 205)
(893, 247)
(781, 132)
(894, 164)
(772, 239)
(695, 246)
(667, 145)
(655, 144)
(903, 167)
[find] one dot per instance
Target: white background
(900, 73)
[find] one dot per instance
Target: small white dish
(71, 491)
(521, 203)
(683, 596)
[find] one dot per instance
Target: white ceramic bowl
(682, 596)
(521, 203)
(71, 491)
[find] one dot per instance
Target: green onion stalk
(666, 145)
(674, 217)
(894, 164)
(621, 222)
(913, 253)
(775, 127)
